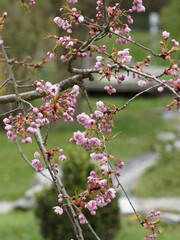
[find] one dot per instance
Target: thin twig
(137, 95)
(128, 69)
(137, 44)
(4, 83)
(27, 160)
(105, 12)
(9, 112)
(25, 86)
(86, 96)
(46, 136)
(124, 191)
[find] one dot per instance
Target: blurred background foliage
(170, 16)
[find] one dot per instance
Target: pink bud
(160, 89)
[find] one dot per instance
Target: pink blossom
(99, 58)
(102, 183)
(95, 142)
(175, 43)
(120, 165)
(82, 219)
(1, 41)
(64, 58)
(142, 83)
(72, 1)
(36, 162)
(32, 2)
(62, 158)
(37, 155)
(39, 169)
(79, 138)
(27, 140)
(6, 120)
(58, 210)
(123, 53)
(100, 105)
(160, 89)
(98, 114)
(8, 127)
(13, 137)
(165, 35)
(91, 205)
(5, 14)
(31, 130)
(111, 192)
(83, 119)
(126, 59)
(61, 150)
(51, 55)
(97, 156)
(81, 18)
(110, 89)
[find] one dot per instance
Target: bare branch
(129, 69)
(137, 95)
(32, 95)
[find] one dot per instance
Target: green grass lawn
(19, 225)
(162, 179)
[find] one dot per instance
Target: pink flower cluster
(72, 1)
(64, 105)
(103, 195)
(18, 125)
(100, 117)
(121, 78)
(165, 35)
(101, 49)
(24, 125)
(60, 198)
(81, 219)
(137, 6)
(175, 43)
(36, 162)
(110, 90)
(152, 226)
(85, 120)
(125, 55)
(51, 55)
(124, 30)
(99, 62)
(99, 156)
(88, 143)
(76, 17)
(98, 8)
(64, 24)
(50, 90)
(65, 41)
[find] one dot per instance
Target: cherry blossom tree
(23, 120)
